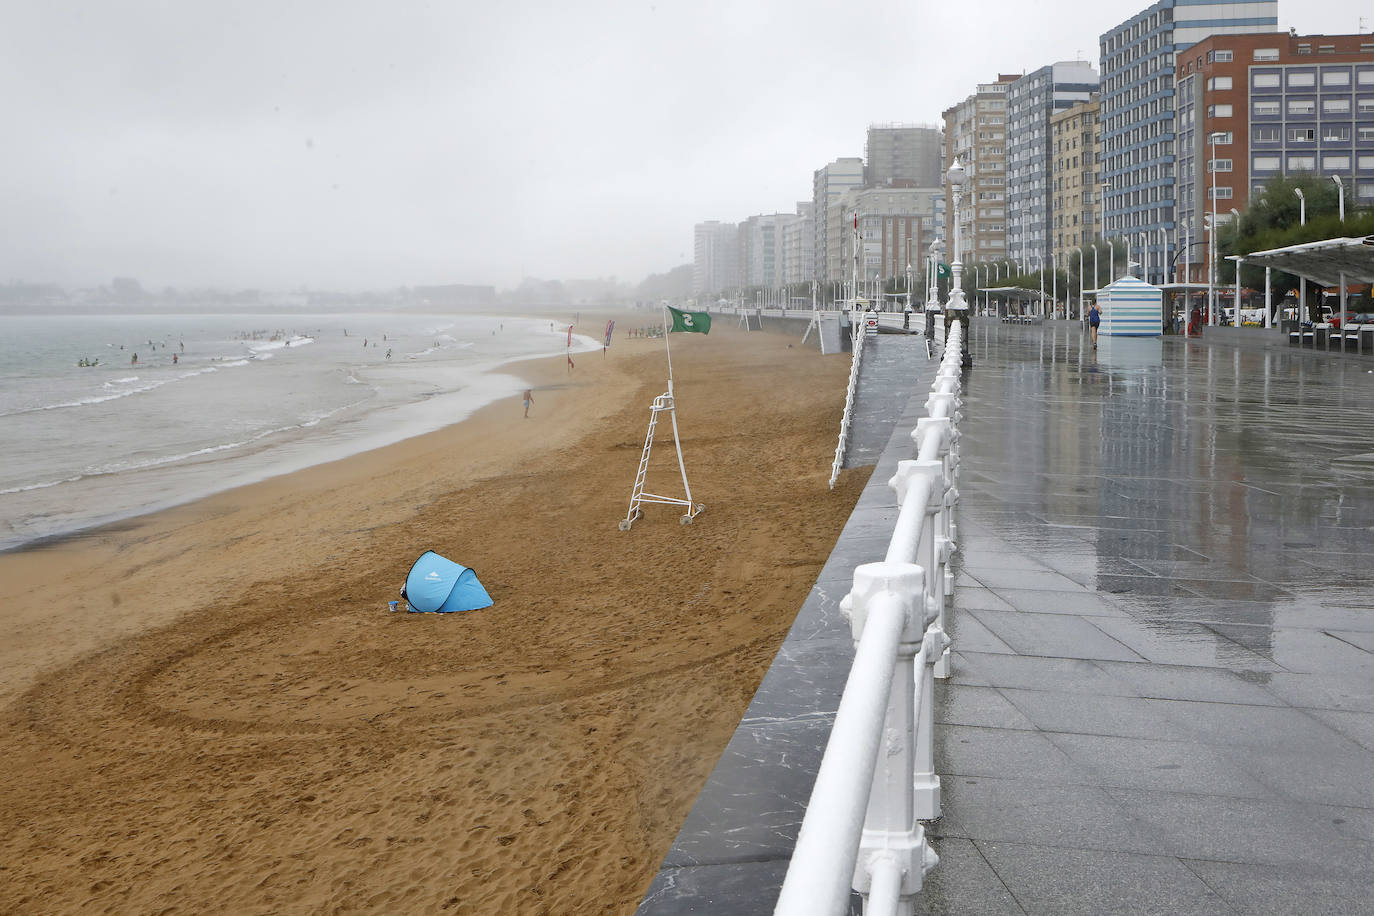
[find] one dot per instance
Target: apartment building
(1255, 107)
(715, 261)
(830, 227)
(903, 154)
(798, 262)
(975, 134)
(1074, 135)
(896, 225)
(1137, 60)
(1032, 102)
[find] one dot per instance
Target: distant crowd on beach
(653, 330)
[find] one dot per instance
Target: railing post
(891, 828)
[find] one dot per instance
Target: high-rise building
(829, 184)
(1032, 101)
(898, 153)
(715, 262)
(798, 264)
(975, 134)
(1254, 107)
(1073, 174)
(1137, 108)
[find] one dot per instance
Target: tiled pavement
(1163, 689)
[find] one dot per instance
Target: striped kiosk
(1131, 308)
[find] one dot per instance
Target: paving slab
(1162, 690)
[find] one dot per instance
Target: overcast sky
(349, 145)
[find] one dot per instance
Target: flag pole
(669, 350)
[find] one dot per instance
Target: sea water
(90, 434)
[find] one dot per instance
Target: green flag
(942, 270)
(691, 321)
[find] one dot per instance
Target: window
(1365, 77)
(1221, 193)
(1365, 190)
(1336, 163)
(1366, 162)
(1262, 109)
(1302, 106)
(1302, 163)
(1268, 134)
(1366, 133)
(1223, 57)
(1335, 77)
(1338, 134)
(1301, 134)
(1266, 80)
(1222, 137)
(1336, 106)
(1298, 79)
(1266, 54)
(1221, 165)
(1218, 111)
(1266, 163)
(1366, 104)
(1218, 83)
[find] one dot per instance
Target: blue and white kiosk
(1131, 308)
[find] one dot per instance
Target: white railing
(851, 392)
(877, 779)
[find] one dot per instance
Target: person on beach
(528, 398)
(1094, 319)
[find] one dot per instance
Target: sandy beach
(210, 709)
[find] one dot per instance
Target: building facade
(715, 261)
(975, 134)
(798, 263)
(829, 185)
(1137, 61)
(896, 226)
(1255, 107)
(898, 154)
(1073, 176)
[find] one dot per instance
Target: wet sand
(211, 710)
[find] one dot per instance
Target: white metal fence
(859, 339)
(877, 780)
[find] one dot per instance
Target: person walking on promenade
(528, 398)
(1094, 319)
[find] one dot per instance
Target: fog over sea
(219, 400)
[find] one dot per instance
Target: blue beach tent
(443, 587)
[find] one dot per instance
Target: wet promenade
(1163, 687)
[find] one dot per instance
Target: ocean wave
(39, 486)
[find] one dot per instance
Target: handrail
(851, 392)
(862, 826)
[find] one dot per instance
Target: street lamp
(1235, 316)
(1069, 313)
(1302, 280)
(1340, 194)
(958, 309)
(937, 249)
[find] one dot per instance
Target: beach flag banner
(699, 322)
(691, 321)
(570, 361)
(610, 327)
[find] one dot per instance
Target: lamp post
(1235, 314)
(1340, 194)
(1164, 253)
(937, 248)
(958, 309)
(1040, 272)
(1302, 280)
(1054, 285)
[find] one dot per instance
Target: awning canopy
(1016, 292)
(1323, 262)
